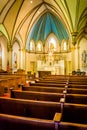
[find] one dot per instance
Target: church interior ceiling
(18, 16)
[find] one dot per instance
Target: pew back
(10, 122)
(43, 89)
(75, 113)
(76, 98)
(48, 84)
(54, 90)
(52, 97)
(29, 108)
(32, 95)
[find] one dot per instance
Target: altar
(57, 68)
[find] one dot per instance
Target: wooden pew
(73, 116)
(29, 108)
(79, 86)
(47, 84)
(52, 81)
(77, 91)
(74, 113)
(47, 96)
(75, 78)
(76, 98)
(10, 80)
(83, 86)
(72, 79)
(18, 111)
(10, 122)
(50, 77)
(32, 95)
(54, 89)
(78, 82)
(43, 89)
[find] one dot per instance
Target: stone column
(10, 57)
(78, 57)
(74, 41)
(73, 58)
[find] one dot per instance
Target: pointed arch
(3, 31)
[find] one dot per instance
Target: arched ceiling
(18, 16)
(43, 27)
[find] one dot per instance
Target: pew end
(57, 117)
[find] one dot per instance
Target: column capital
(74, 36)
(74, 33)
(9, 47)
(73, 48)
(22, 50)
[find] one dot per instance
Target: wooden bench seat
(77, 91)
(78, 82)
(54, 89)
(46, 96)
(34, 112)
(72, 84)
(79, 78)
(52, 81)
(29, 108)
(43, 89)
(74, 113)
(84, 86)
(33, 95)
(10, 80)
(47, 84)
(10, 122)
(76, 98)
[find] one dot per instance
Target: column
(78, 57)
(74, 41)
(9, 60)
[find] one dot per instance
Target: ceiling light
(31, 1)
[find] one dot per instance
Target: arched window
(64, 46)
(52, 43)
(39, 47)
(32, 46)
